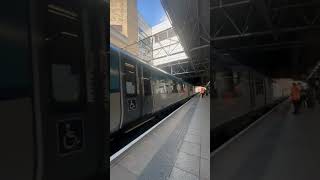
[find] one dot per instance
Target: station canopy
(279, 38)
(191, 21)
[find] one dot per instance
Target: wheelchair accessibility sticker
(70, 136)
(132, 104)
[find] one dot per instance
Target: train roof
(143, 62)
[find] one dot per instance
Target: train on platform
(238, 90)
(138, 91)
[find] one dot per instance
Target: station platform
(281, 146)
(178, 148)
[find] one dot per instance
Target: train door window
(114, 73)
(147, 81)
(65, 83)
(67, 74)
(130, 79)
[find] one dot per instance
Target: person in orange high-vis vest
(295, 97)
(202, 91)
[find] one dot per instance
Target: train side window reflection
(175, 89)
(146, 82)
(114, 74)
(130, 79)
(259, 83)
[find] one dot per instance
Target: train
(237, 90)
(139, 90)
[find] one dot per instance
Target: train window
(147, 82)
(17, 68)
(15, 71)
(161, 85)
(259, 83)
(114, 73)
(236, 77)
(175, 88)
(65, 83)
(170, 85)
(130, 79)
(183, 86)
(180, 87)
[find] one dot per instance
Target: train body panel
(115, 109)
(238, 90)
(115, 92)
(132, 97)
(227, 97)
(141, 90)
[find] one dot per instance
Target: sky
(152, 11)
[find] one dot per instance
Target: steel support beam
(195, 63)
(265, 11)
(297, 5)
(231, 21)
(188, 72)
(235, 4)
(268, 45)
(199, 47)
(282, 30)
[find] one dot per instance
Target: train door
(131, 91)
(115, 93)
(147, 91)
(17, 159)
(70, 139)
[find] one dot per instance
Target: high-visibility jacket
(295, 93)
(202, 90)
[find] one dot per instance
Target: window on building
(156, 38)
(163, 36)
(171, 33)
(117, 27)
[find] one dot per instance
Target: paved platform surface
(178, 149)
(282, 146)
